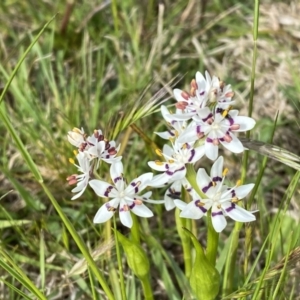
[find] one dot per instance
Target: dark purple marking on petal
(192, 155)
(230, 208)
(171, 132)
(198, 129)
(109, 207)
(217, 178)
(206, 188)
(173, 194)
(214, 214)
(117, 179)
(202, 93)
(230, 119)
(108, 190)
(209, 140)
(170, 173)
(132, 205)
(199, 205)
(136, 186)
(233, 194)
(167, 166)
(208, 117)
(219, 110)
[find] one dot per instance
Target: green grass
(99, 68)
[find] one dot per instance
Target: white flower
(217, 126)
(98, 147)
(176, 158)
(76, 137)
(205, 91)
(81, 180)
(123, 195)
(220, 199)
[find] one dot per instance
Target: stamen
(194, 87)
(181, 105)
(171, 161)
(227, 138)
(75, 152)
(216, 142)
(158, 152)
(71, 160)
(238, 183)
(225, 171)
(235, 200)
(185, 95)
(158, 162)
(235, 127)
(138, 201)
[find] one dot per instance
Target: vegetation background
(89, 67)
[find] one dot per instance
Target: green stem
(122, 282)
(185, 241)
(231, 259)
(148, 293)
(212, 241)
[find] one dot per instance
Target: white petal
(103, 214)
(211, 150)
(167, 151)
(218, 219)
(165, 134)
(194, 211)
(188, 136)
(234, 145)
(125, 218)
(102, 189)
(217, 168)
(159, 180)
(199, 153)
(158, 167)
(243, 190)
(180, 204)
(116, 170)
(142, 211)
(246, 123)
(203, 180)
(238, 213)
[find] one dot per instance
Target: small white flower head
(98, 147)
(220, 199)
(82, 180)
(217, 126)
(174, 192)
(174, 166)
(76, 137)
(204, 92)
(123, 196)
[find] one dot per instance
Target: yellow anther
(158, 152)
(235, 200)
(170, 161)
(238, 183)
(214, 183)
(184, 146)
(225, 171)
(159, 163)
(75, 152)
(71, 160)
(200, 204)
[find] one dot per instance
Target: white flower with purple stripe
(217, 127)
(123, 196)
(84, 166)
(174, 168)
(220, 199)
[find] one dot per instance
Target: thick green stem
(212, 241)
(122, 282)
(185, 240)
(148, 293)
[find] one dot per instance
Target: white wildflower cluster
(204, 119)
